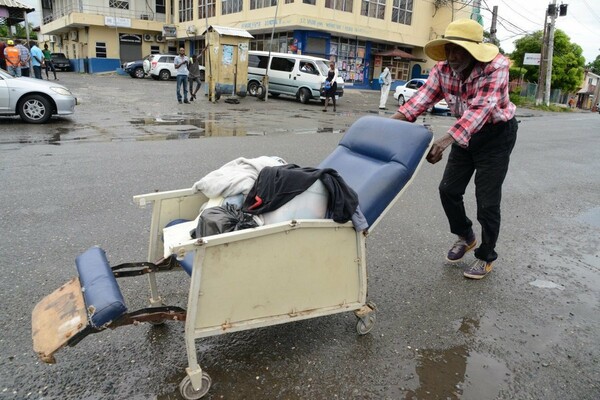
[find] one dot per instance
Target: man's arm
(429, 94)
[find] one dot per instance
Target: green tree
(594, 66)
(20, 31)
(567, 61)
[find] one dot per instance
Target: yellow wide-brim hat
(467, 34)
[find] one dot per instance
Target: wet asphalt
(530, 330)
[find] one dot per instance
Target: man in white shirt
(181, 65)
(385, 80)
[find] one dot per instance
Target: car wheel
(164, 75)
(138, 73)
(401, 100)
(35, 109)
(304, 95)
(253, 88)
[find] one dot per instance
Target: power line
(591, 10)
(518, 13)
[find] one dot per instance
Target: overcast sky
(582, 22)
(518, 17)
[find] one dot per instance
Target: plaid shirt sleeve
(486, 95)
(429, 94)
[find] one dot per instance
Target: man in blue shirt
(181, 65)
(37, 59)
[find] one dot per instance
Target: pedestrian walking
(25, 57)
(473, 78)
(13, 59)
(330, 85)
(385, 80)
(48, 62)
(181, 65)
(194, 76)
(37, 60)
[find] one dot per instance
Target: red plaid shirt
(481, 99)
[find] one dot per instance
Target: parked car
(162, 66)
(406, 91)
(135, 69)
(34, 100)
(60, 61)
(300, 76)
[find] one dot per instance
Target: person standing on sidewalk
(48, 62)
(37, 60)
(385, 79)
(330, 85)
(181, 65)
(13, 59)
(2, 58)
(25, 58)
(473, 78)
(194, 76)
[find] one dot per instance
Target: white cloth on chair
(235, 177)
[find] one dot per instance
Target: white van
(292, 74)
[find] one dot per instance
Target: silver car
(35, 100)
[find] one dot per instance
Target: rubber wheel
(189, 393)
(253, 88)
(304, 95)
(164, 75)
(35, 109)
(401, 100)
(364, 325)
(138, 73)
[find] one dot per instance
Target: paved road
(528, 331)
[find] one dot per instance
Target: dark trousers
(487, 156)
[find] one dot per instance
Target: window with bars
(120, 4)
(254, 4)
(154, 49)
(207, 8)
(185, 10)
(402, 11)
(160, 7)
(231, 6)
(342, 5)
(313, 2)
(101, 49)
(373, 8)
(289, 1)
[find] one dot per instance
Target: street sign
(532, 59)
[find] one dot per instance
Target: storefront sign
(169, 31)
(117, 22)
(130, 38)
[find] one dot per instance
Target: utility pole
(493, 29)
(539, 95)
(552, 10)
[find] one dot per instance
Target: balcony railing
(103, 10)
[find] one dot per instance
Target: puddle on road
(458, 372)
(590, 217)
(546, 284)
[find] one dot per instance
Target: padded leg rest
(103, 299)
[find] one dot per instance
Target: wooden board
(57, 318)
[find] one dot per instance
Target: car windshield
(323, 67)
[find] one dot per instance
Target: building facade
(361, 36)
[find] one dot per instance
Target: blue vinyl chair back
(377, 157)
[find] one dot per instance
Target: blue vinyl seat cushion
(101, 293)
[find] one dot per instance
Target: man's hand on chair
(438, 147)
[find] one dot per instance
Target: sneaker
(478, 269)
(186, 102)
(179, 101)
(461, 247)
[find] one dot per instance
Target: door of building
(130, 47)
